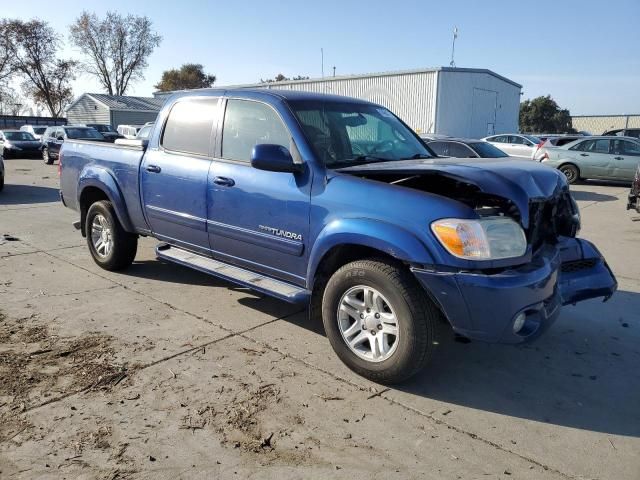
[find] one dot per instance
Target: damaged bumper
(517, 305)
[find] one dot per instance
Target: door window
(247, 124)
(440, 148)
(595, 146)
(625, 147)
(500, 139)
(459, 150)
(517, 140)
(189, 126)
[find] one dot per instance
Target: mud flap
(584, 273)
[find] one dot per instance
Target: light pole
(18, 108)
(453, 47)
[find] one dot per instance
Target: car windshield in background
(79, 133)
(39, 130)
(102, 128)
(345, 134)
(486, 150)
(19, 136)
(535, 140)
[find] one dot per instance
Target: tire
(571, 172)
(46, 157)
(1, 182)
(117, 248)
(400, 294)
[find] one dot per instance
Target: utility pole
(453, 48)
(334, 71)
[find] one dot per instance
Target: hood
(24, 143)
(520, 181)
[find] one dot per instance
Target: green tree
(281, 78)
(543, 115)
(188, 76)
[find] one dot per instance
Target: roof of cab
(286, 95)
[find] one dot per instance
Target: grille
(578, 265)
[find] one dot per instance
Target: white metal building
(464, 102)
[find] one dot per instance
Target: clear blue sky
(586, 54)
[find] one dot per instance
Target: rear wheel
(571, 172)
(45, 156)
(1, 182)
(111, 247)
(378, 320)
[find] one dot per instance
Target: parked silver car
(603, 157)
(516, 144)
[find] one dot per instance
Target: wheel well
(342, 254)
(88, 197)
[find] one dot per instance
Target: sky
(585, 54)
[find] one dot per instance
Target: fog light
(519, 322)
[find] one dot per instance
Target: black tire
(46, 157)
(416, 318)
(571, 172)
(1, 182)
(124, 244)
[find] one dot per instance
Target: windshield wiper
(417, 156)
(359, 160)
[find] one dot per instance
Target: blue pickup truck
(336, 203)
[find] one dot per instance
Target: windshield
(39, 130)
(535, 140)
(78, 133)
(19, 136)
(344, 134)
(486, 150)
(101, 128)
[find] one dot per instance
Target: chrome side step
(261, 283)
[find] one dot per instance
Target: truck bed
(99, 161)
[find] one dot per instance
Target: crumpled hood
(518, 180)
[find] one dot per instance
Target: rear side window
(189, 126)
(499, 139)
(247, 124)
(440, 148)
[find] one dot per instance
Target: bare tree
(32, 50)
(6, 69)
(116, 48)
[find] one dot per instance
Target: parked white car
(129, 131)
(35, 130)
(516, 144)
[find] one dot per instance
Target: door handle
(619, 158)
(584, 154)
(153, 169)
(224, 181)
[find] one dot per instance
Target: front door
(173, 176)
(258, 220)
(592, 157)
(625, 156)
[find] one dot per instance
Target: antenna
(453, 47)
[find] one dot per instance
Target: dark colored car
(54, 137)
(634, 194)
(15, 143)
(107, 131)
(624, 132)
(462, 148)
(1, 172)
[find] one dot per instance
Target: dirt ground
(162, 372)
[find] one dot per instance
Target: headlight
(7, 144)
(488, 238)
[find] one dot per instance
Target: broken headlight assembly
(489, 238)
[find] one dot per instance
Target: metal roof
(381, 74)
(124, 102)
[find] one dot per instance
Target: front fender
(94, 176)
(386, 237)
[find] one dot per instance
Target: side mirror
(60, 138)
(273, 158)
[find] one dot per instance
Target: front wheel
(378, 320)
(111, 247)
(571, 172)
(46, 157)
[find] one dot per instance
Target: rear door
(258, 220)
(625, 156)
(520, 146)
(173, 176)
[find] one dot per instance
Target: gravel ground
(162, 372)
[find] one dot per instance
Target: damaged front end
(516, 300)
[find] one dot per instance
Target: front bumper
(485, 306)
(632, 202)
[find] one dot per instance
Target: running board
(261, 283)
